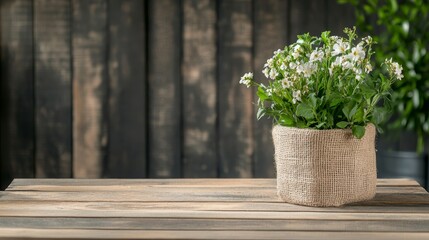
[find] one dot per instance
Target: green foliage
(325, 82)
(402, 30)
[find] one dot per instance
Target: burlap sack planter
(324, 167)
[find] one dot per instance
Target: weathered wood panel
(164, 92)
(199, 88)
(270, 33)
(127, 90)
(202, 209)
(17, 123)
(307, 16)
(53, 103)
(339, 17)
(89, 42)
(235, 101)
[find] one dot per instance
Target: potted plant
(402, 31)
(323, 98)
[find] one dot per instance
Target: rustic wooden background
(131, 88)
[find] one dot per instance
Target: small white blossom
(269, 91)
(340, 47)
(247, 79)
(297, 51)
(394, 69)
(286, 83)
(273, 73)
(368, 67)
(296, 96)
(266, 72)
(283, 66)
(367, 39)
(292, 65)
(269, 63)
(316, 55)
(277, 51)
(347, 64)
(356, 54)
(306, 69)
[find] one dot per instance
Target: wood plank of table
(202, 209)
(23, 233)
(208, 182)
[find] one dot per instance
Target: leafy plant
(402, 30)
(325, 82)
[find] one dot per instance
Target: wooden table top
(201, 209)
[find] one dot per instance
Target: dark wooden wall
(131, 88)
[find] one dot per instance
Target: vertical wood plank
(17, 123)
(53, 88)
(270, 34)
(164, 36)
(306, 16)
(339, 16)
(235, 101)
(89, 41)
(199, 88)
(127, 97)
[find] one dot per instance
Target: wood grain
(26, 233)
(90, 87)
(40, 183)
(17, 110)
(235, 101)
(164, 91)
(393, 225)
(201, 209)
(339, 17)
(199, 88)
(307, 16)
(53, 100)
(270, 33)
(126, 151)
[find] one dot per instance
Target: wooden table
(201, 209)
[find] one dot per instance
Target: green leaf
(260, 113)
(349, 110)
(358, 117)
(304, 110)
(335, 99)
(342, 124)
(286, 120)
(318, 126)
(358, 131)
(261, 94)
(313, 100)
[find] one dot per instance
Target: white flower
(269, 63)
(283, 66)
(394, 69)
(296, 96)
(306, 69)
(273, 73)
(269, 91)
(277, 51)
(247, 79)
(340, 47)
(368, 67)
(357, 53)
(292, 65)
(296, 51)
(347, 64)
(338, 61)
(316, 55)
(266, 72)
(397, 70)
(367, 39)
(286, 83)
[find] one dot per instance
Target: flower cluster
(324, 82)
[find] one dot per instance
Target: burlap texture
(324, 167)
